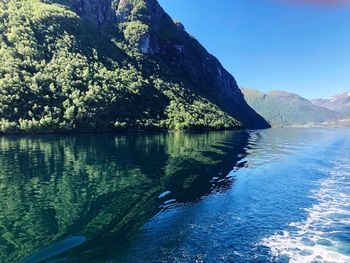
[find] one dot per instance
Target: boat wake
(325, 235)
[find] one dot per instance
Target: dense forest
(61, 72)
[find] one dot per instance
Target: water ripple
(324, 235)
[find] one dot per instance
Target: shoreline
(119, 132)
(164, 131)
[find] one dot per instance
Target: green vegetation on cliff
(62, 69)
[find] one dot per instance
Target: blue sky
(274, 44)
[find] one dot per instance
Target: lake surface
(279, 195)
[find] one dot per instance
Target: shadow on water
(103, 188)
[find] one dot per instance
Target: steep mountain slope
(340, 103)
(110, 64)
(281, 108)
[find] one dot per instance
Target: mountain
(340, 103)
(94, 65)
(282, 109)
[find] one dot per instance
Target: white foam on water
(312, 240)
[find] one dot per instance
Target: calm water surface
(280, 195)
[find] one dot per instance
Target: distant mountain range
(284, 109)
(339, 102)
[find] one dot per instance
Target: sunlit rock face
(100, 12)
(103, 12)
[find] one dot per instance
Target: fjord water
(279, 195)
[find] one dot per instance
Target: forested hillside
(109, 65)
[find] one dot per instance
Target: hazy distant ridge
(284, 109)
(340, 102)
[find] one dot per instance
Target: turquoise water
(279, 195)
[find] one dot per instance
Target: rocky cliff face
(100, 12)
(167, 42)
(97, 12)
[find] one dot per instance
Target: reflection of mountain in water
(103, 187)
